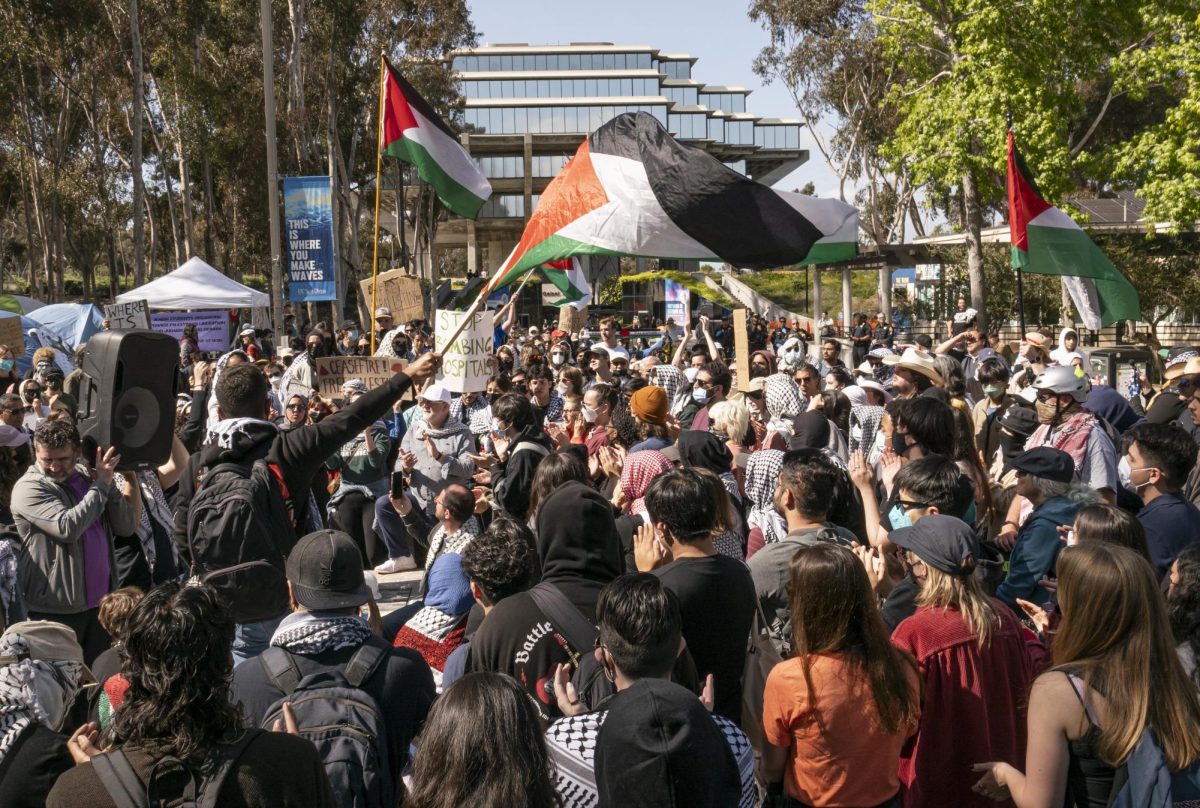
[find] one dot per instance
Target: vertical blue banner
(308, 239)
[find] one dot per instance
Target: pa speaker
(127, 395)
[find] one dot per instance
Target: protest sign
(398, 291)
(741, 347)
(334, 371)
(12, 335)
(552, 295)
(677, 302)
(212, 326)
(124, 316)
(465, 361)
(308, 222)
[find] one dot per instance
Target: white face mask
(564, 389)
(589, 414)
(557, 359)
(699, 395)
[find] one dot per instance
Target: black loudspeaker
(127, 395)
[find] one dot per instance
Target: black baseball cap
(326, 571)
(1045, 462)
(1019, 421)
(946, 543)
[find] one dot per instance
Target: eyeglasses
(911, 505)
(757, 395)
(295, 407)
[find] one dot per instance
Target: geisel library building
(528, 108)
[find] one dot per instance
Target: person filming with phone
(434, 453)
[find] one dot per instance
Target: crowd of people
(944, 573)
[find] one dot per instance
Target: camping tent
(19, 304)
(63, 326)
(196, 285)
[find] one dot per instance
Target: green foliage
(793, 291)
(687, 279)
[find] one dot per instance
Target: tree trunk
(139, 188)
(185, 185)
(297, 119)
(973, 225)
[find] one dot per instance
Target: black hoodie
(512, 480)
(580, 553)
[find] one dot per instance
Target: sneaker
(392, 565)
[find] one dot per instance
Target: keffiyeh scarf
(442, 542)
(422, 429)
(222, 433)
(762, 472)
(784, 402)
(477, 415)
(32, 691)
(639, 471)
(8, 575)
(671, 380)
(310, 633)
(864, 424)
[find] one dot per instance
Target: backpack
(342, 720)
(1144, 781)
(239, 531)
(127, 790)
(588, 677)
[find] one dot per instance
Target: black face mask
(315, 351)
(505, 364)
(1011, 445)
(757, 371)
(899, 443)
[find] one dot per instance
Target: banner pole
(1021, 301)
(378, 178)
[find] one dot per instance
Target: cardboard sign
(465, 366)
(212, 326)
(741, 347)
(552, 295)
(124, 316)
(373, 371)
(12, 335)
(399, 291)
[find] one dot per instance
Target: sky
(717, 32)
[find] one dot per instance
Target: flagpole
(378, 178)
(1021, 301)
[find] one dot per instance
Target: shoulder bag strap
(119, 779)
(365, 661)
(281, 669)
(562, 612)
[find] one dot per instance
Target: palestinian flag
(568, 277)
(1046, 241)
(413, 132)
(631, 189)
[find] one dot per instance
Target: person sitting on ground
(437, 629)
(115, 608)
(1044, 478)
(639, 640)
(482, 745)
(454, 527)
(324, 633)
(518, 453)
(836, 714)
(178, 665)
(715, 592)
(976, 662)
(41, 671)
(501, 562)
(807, 479)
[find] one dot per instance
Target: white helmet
(1063, 379)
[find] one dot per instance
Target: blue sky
(718, 32)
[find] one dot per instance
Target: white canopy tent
(196, 285)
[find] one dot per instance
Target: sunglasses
(757, 395)
(296, 407)
(911, 505)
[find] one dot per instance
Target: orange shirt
(838, 754)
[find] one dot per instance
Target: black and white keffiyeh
(784, 402)
(32, 691)
(308, 633)
(441, 542)
(222, 433)
(213, 417)
(762, 472)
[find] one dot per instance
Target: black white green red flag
(414, 133)
(568, 277)
(631, 189)
(1046, 241)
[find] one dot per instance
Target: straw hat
(917, 361)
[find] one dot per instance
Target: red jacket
(974, 704)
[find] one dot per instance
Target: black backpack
(342, 720)
(588, 677)
(240, 531)
(127, 790)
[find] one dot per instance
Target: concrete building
(528, 108)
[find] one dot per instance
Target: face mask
(899, 517)
(564, 389)
(6, 365)
(506, 364)
(1047, 411)
(353, 335)
(275, 379)
(699, 395)
(557, 359)
(757, 371)
(498, 428)
(899, 443)
(1125, 474)
(1011, 445)
(994, 391)
(589, 414)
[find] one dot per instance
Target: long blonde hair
(964, 593)
(1116, 636)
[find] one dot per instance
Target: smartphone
(398, 484)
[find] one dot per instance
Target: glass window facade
(683, 96)
(726, 102)
(503, 206)
(554, 61)
(518, 120)
(688, 125)
(676, 69)
(784, 136)
(740, 133)
(509, 167)
(716, 129)
(561, 88)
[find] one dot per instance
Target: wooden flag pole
(479, 299)
(378, 178)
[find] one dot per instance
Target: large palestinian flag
(414, 133)
(631, 189)
(1046, 241)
